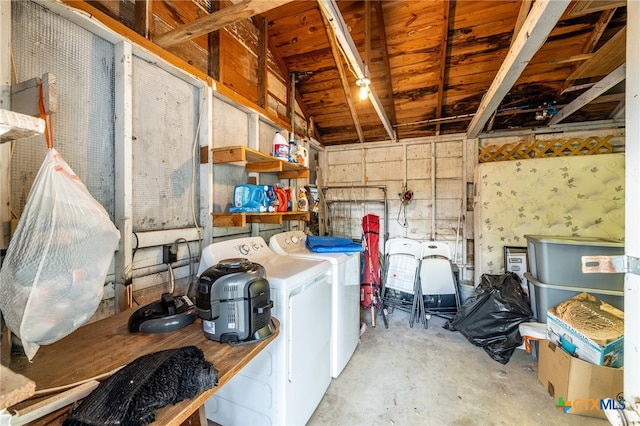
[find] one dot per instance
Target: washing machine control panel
(288, 242)
(251, 247)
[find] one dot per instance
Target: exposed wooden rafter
(598, 89)
(220, 19)
(541, 20)
(144, 17)
(610, 56)
(384, 52)
(525, 7)
(444, 43)
(263, 54)
(282, 67)
(335, 50)
(331, 15)
(596, 34)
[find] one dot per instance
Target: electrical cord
(403, 210)
(191, 280)
(193, 179)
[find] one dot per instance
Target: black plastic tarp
(490, 318)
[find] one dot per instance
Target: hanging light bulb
(363, 83)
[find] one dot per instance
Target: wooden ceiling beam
(220, 19)
(525, 8)
(335, 51)
(144, 17)
(384, 51)
(263, 54)
(284, 70)
(444, 45)
(338, 29)
(598, 89)
(598, 30)
(610, 56)
(214, 58)
(542, 18)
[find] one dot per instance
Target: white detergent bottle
(280, 147)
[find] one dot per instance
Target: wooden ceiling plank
(220, 19)
(598, 89)
(444, 44)
(541, 20)
(385, 59)
(611, 55)
(335, 50)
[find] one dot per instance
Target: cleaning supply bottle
(293, 152)
(250, 198)
(280, 147)
(303, 202)
(287, 192)
(303, 156)
(282, 199)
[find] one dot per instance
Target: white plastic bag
(53, 275)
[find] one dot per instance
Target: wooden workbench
(106, 345)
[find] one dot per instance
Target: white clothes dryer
(285, 382)
(345, 293)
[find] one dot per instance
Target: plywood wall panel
(449, 149)
(229, 126)
(345, 173)
(449, 188)
(344, 157)
(449, 167)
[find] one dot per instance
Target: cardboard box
(578, 387)
(588, 328)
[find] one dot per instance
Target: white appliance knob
(294, 240)
(287, 241)
(244, 249)
(256, 246)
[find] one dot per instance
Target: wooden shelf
(14, 125)
(241, 219)
(259, 162)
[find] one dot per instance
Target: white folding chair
(400, 278)
(438, 283)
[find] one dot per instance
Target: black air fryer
(234, 301)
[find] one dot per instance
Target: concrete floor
(417, 376)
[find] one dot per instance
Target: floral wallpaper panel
(568, 196)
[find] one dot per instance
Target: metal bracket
(611, 264)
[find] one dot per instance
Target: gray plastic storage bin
(558, 261)
(544, 296)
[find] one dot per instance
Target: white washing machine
(284, 384)
(345, 293)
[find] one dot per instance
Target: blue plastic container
(250, 198)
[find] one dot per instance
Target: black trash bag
(490, 318)
(130, 396)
